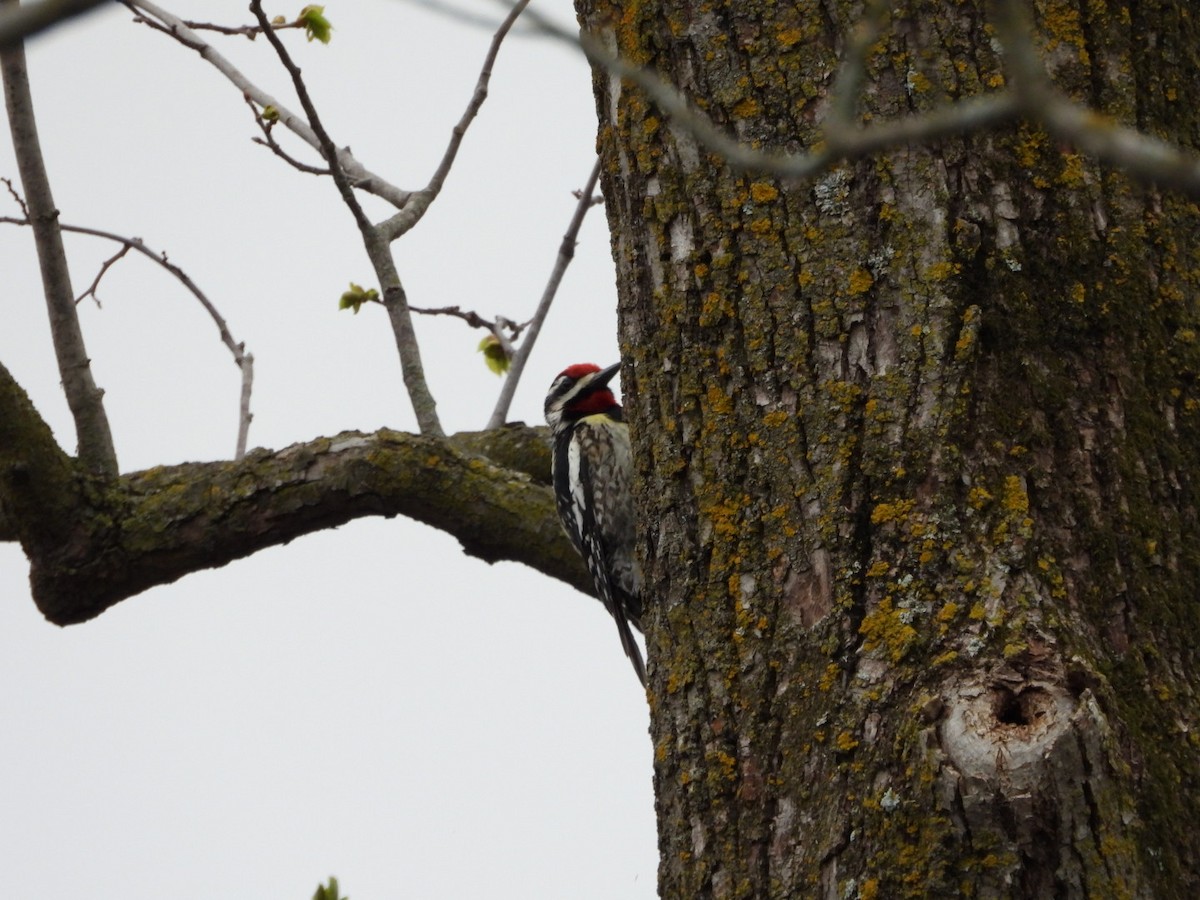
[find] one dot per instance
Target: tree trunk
(918, 454)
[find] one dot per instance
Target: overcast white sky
(365, 702)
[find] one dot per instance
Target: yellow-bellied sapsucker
(593, 486)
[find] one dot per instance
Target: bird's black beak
(604, 376)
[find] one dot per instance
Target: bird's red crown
(579, 370)
(596, 400)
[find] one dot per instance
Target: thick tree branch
(84, 398)
(94, 543)
(38, 480)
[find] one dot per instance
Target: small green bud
(494, 354)
(357, 296)
(316, 26)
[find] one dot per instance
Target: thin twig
(17, 198)
(455, 14)
(566, 252)
(474, 319)
(596, 199)
(404, 220)
(502, 328)
(1146, 158)
(85, 399)
(247, 31)
(104, 267)
(324, 141)
(268, 141)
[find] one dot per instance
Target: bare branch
(409, 216)
(1146, 158)
(840, 143)
(104, 267)
(17, 198)
(395, 301)
(378, 250)
(246, 31)
(83, 397)
(594, 200)
(361, 177)
(324, 142)
(456, 14)
(268, 141)
(19, 22)
(566, 252)
(472, 318)
(243, 360)
(848, 86)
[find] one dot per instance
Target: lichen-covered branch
(37, 479)
(96, 449)
(93, 542)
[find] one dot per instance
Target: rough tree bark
(919, 443)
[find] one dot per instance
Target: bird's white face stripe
(564, 391)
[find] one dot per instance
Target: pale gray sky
(365, 702)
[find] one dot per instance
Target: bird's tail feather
(631, 649)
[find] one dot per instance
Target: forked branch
(378, 250)
(404, 220)
(243, 360)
